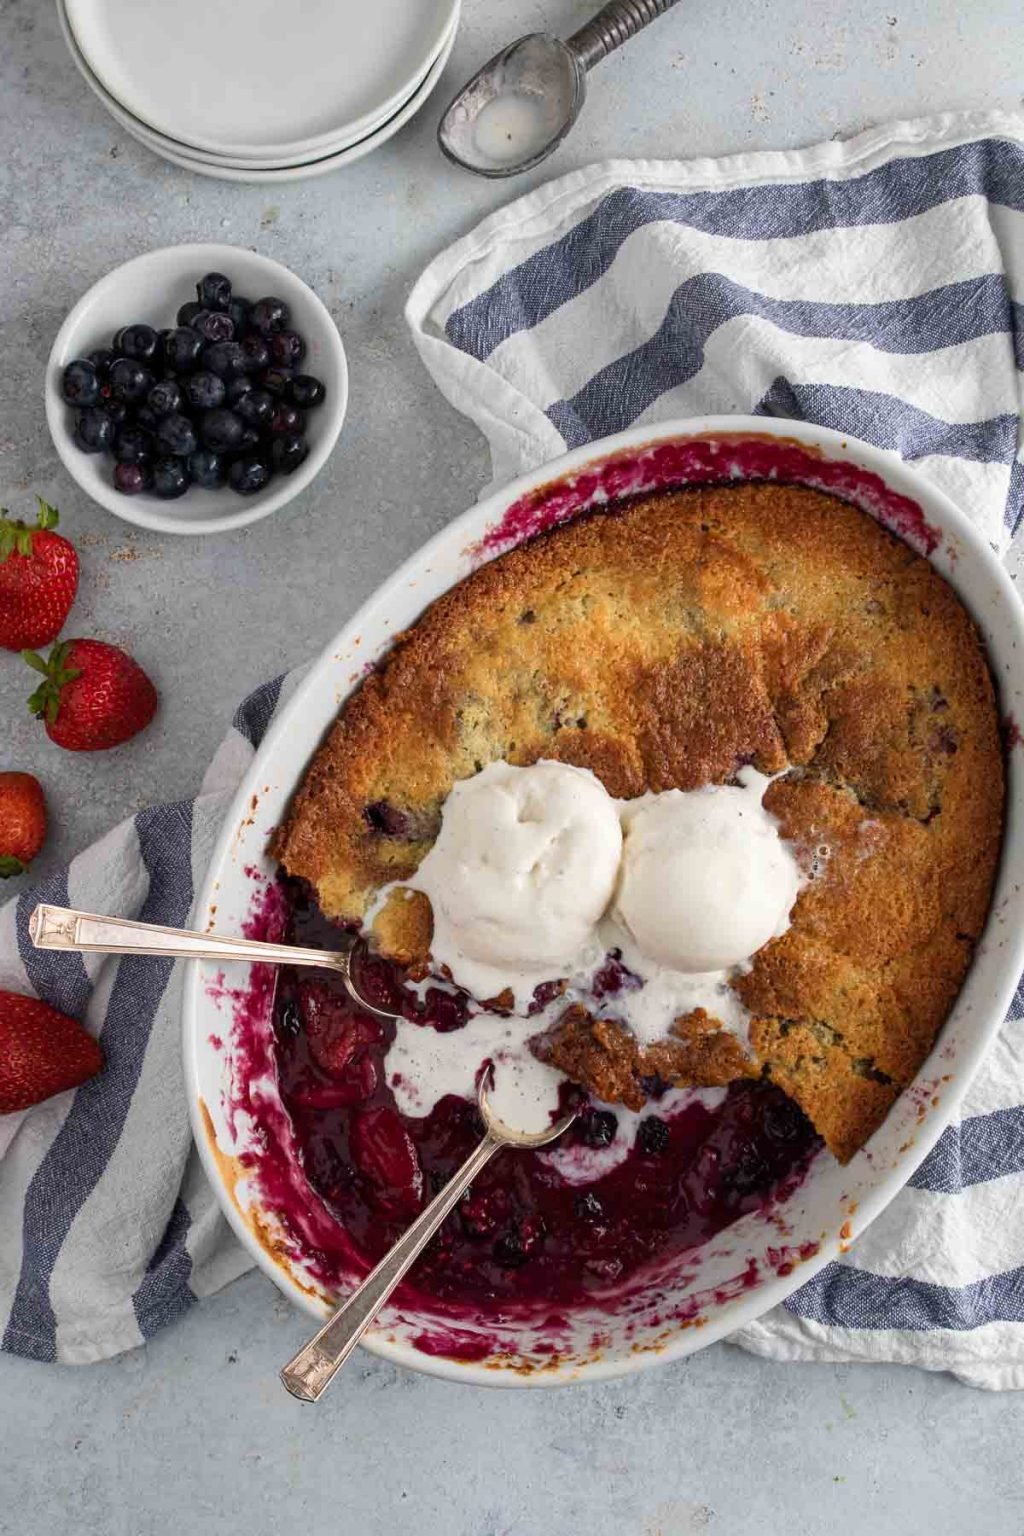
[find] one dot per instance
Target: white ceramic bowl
(739, 1275)
(151, 288)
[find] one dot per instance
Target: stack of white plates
(266, 91)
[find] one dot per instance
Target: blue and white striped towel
(876, 286)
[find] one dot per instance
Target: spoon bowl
(521, 105)
(517, 109)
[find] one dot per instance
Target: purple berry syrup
(522, 1233)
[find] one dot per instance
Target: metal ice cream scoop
(520, 106)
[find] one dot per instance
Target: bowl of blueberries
(196, 389)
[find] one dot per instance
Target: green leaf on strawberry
(16, 535)
(46, 698)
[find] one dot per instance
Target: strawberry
(337, 1032)
(38, 580)
(383, 1151)
(93, 695)
(22, 822)
(42, 1052)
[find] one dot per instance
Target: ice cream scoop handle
(614, 25)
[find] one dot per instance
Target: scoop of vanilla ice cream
(523, 867)
(705, 879)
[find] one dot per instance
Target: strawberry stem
(16, 536)
(10, 866)
(46, 698)
(48, 516)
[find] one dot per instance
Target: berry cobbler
(687, 811)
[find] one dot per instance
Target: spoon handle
(614, 24)
(308, 1375)
(62, 928)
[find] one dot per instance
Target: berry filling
(523, 1231)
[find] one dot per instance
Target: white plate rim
(933, 1118)
(312, 146)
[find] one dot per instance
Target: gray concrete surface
(194, 1432)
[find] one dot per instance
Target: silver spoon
(62, 928)
(308, 1374)
(520, 106)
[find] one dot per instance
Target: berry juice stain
(719, 460)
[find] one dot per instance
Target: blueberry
(269, 316)
(588, 1207)
(206, 468)
(236, 388)
(144, 415)
(287, 348)
(115, 341)
(214, 291)
(139, 342)
(177, 435)
(130, 479)
(117, 411)
(286, 420)
(248, 474)
(101, 360)
(133, 445)
(183, 348)
(130, 381)
(598, 1128)
(94, 429)
(80, 383)
(212, 325)
(221, 430)
(306, 392)
(249, 440)
(288, 452)
(509, 1251)
(204, 391)
(164, 397)
(653, 1136)
(257, 353)
(276, 381)
(240, 311)
(256, 408)
(188, 312)
(746, 1170)
(170, 478)
(224, 358)
(783, 1121)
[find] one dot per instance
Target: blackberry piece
(598, 1128)
(653, 1136)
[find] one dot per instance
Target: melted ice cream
(537, 873)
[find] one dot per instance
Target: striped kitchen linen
(875, 286)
